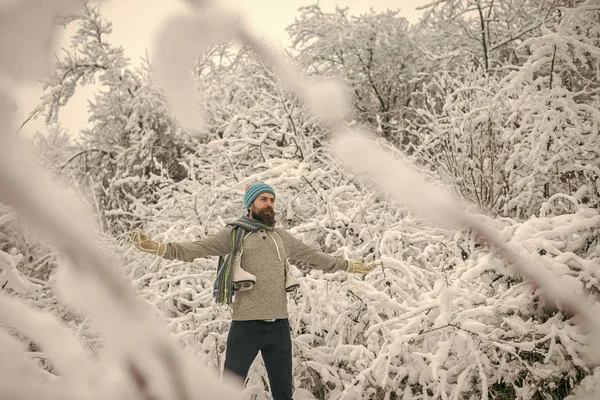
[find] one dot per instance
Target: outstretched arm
(298, 251)
(216, 245)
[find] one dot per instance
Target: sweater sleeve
(216, 245)
(298, 251)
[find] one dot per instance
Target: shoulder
(222, 232)
(281, 231)
(226, 228)
(285, 235)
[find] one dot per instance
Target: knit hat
(253, 191)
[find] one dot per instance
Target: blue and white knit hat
(253, 191)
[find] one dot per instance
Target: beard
(266, 216)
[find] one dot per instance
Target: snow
(459, 303)
(10, 277)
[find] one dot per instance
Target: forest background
(498, 101)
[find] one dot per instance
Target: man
(253, 278)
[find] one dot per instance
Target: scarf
(223, 287)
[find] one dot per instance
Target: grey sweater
(264, 255)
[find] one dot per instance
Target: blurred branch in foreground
(139, 361)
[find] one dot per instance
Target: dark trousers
(273, 340)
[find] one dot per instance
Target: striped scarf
(223, 288)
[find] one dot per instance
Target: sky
(135, 23)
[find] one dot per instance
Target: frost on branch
(459, 137)
(554, 118)
(10, 277)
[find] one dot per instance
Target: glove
(359, 267)
(143, 243)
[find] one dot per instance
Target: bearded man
(253, 256)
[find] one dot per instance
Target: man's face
(263, 209)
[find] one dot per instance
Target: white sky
(135, 23)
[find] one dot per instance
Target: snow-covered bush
(441, 317)
(510, 138)
(460, 137)
(553, 125)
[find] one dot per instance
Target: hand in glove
(142, 242)
(359, 267)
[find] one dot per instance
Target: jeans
(273, 340)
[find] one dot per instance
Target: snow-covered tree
(374, 54)
(554, 121)
(459, 132)
(132, 132)
(53, 147)
(509, 141)
(485, 34)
